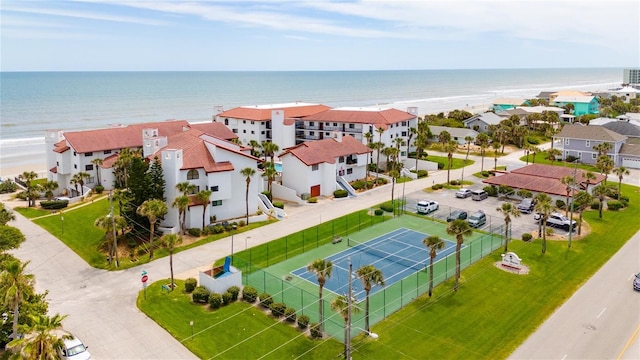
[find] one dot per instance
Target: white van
(73, 349)
(477, 219)
(479, 195)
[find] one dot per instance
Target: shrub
(278, 309)
(614, 205)
(8, 187)
(54, 204)
(454, 182)
(504, 189)
(624, 198)
(527, 237)
(422, 173)
(560, 204)
(195, 232)
(378, 212)
(340, 193)
(314, 329)
(440, 166)
(303, 321)
(241, 223)
(570, 158)
(226, 298)
(215, 300)
(234, 291)
(491, 190)
(358, 184)
(290, 314)
(312, 200)
(485, 173)
(382, 181)
(595, 205)
(98, 189)
(200, 295)
(278, 204)
(387, 207)
(549, 231)
(249, 294)
(437, 186)
(190, 284)
(265, 300)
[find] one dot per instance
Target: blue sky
(317, 35)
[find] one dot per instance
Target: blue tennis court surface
(397, 254)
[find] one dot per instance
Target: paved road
(102, 305)
(600, 321)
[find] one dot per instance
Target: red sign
(144, 278)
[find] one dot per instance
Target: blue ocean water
(32, 102)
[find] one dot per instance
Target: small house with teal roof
(507, 104)
(581, 104)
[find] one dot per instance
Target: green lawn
(456, 163)
(541, 158)
(31, 212)
(475, 322)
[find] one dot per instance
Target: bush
(278, 204)
(340, 193)
(624, 198)
(190, 284)
(8, 187)
(312, 200)
(200, 295)
(440, 166)
(98, 189)
(570, 159)
(454, 182)
(314, 329)
(290, 314)
(527, 237)
(422, 173)
(215, 300)
(265, 300)
(595, 205)
(437, 186)
(54, 204)
(485, 173)
(303, 321)
(234, 291)
(491, 190)
(195, 232)
(614, 205)
(382, 181)
(560, 204)
(268, 195)
(278, 309)
(227, 297)
(241, 223)
(378, 212)
(387, 207)
(249, 294)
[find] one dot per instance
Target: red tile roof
(326, 150)
(541, 178)
(378, 118)
(216, 129)
(263, 113)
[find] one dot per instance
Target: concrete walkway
(102, 305)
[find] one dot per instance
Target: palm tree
(13, 283)
(170, 242)
(255, 147)
(605, 165)
(483, 142)
(97, 162)
(370, 276)
(444, 137)
(111, 228)
(433, 243)
(185, 187)
(270, 173)
(248, 173)
(412, 132)
(507, 210)
(322, 269)
(377, 146)
(28, 177)
(468, 139)
(75, 180)
(569, 182)
(203, 198)
(121, 166)
(341, 305)
(41, 340)
(153, 210)
(544, 206)
(602, 148)
(48, 188)
(553, 154)
(534, 151)
(270, 149)
(620, 172)
(458, 228)
(181, 203)
(6, 215)
(600, 192)
(368, 136)
(82, 176)
(581, 201)
(496, 147)
(450, 147)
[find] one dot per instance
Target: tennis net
(404, 254)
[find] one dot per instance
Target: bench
(337, 239)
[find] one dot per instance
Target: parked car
(427, 206)
(463, 193)
(457, 214)
(526, 205)
(477, 219)
(73, 349)
(636, 282)
(560, 221)
(479, 195)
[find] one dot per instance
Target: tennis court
(398, 254)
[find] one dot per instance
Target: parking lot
(448, 203)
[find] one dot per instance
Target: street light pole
(245, 242)
(62, 222)
(233, 228)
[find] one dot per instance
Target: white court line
(601, 312)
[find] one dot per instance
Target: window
(311, 123)
(88, 154)
(235, 131)
(335, 124)
(244, 121)
(215, 188)
(352, 126)
(253, 123)
(404, 133)
(579, 155)
(74, 153)
(404, 123)
(587, 143)
(349, 171)
(314, 167)
(594, 155)
(226, 121)
(341, 159)
(262, 132)
(107, 152)
(312, 133)
(193, 174)
(88, 167)
(216, 203)
(566, 141)
(326, 133)
(244, 131)
(75, 166)
(252, 132)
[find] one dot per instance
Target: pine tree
(156, 180)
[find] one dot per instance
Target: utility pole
(113, 228)
(347, 343)
(573, 191)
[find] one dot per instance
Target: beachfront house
(457, 134)
(482, 122)
(578, 141)
(581, 104)
(626, 93)
(318, 168)
(271, 123)
(508, 103)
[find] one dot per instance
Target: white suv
(426, 206)
(559, 220)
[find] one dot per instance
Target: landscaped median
(491, 314)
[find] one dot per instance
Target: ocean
(32, 102)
